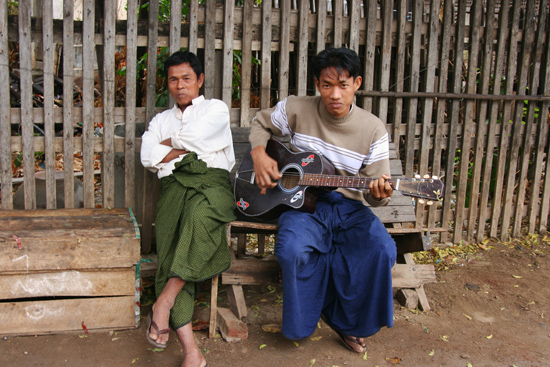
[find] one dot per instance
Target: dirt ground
(490, 308)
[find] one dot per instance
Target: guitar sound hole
(290, 178)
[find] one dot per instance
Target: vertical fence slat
(414, 81)
(68, 102)
(454, 115)
(5, 120)
(370, 41)
(536, 209)
(468, 122)
(399, 71)
(337, 10)
(266, 55)
(505, 126)
(108, 101)
(321, 26)
(284, 49)
(530, 126)
(355, 17)
(228, 27)
(521, 87)
(49, 126)
(193, 17)
(210, 50)
(88, 77)
(441, 106)
(149, 178)
(130, 108)
(484, 212)
(303, 40)
(385, 60)
(26, 102)
(246, 70)
(175, 35)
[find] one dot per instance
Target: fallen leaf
(466, 316)
(113, 339)
(394, 360)
(262, 346)
(444, 338)
(271, 328)
(156, 349)
(517, 276)
(469, 365)
(431, 353)
(311, 362)
(316, 338)
(489, 336)
(365, 356)
(295, 343)
(135, 360)
(200, 325)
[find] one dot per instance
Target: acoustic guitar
(304, 176)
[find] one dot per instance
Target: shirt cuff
(158, 153)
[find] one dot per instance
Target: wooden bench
(255, 268)
(68, 270)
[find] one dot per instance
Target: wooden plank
(530, 127)
(414, 81)
(67, 315)
(399, 70)
(480, 167)
(355, 18)
(48, 84)
(265, 84)
(5, 123)
(193, 17)
(468, 123)
(520, 86)
(130, 108)
(175, 35)
(303, 39)
(321, 18)
(284, 52)
(227, 77)
(237, 303)
(337, 10)
(213, 306)
(385, 56)
(68, 79)
(25, 80)
(370, 40)
(504, 142)
(246, 69)
(209, 50)
(62, 283)
(452, 136)
(422, 298)
(108, 101)
(438, 134)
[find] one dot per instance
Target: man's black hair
(182, 57)
(339, 58)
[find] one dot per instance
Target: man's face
(337, 91)
(183, 84)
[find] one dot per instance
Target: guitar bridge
(243, 176)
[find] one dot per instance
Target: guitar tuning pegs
(430, 202)
(426, 176)
(421, 201)
(435, 177)
(416, 176)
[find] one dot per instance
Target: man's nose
(335, 93)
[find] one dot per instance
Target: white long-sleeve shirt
(203, 128)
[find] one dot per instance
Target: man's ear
(201, 80)
(357, 83)
(317, 85)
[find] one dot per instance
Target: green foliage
(13, 7)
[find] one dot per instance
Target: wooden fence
(463, 89)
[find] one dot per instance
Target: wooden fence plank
(228, 28)
(25, 81)
(414, 81)
(49, 127)
(175, 35)
(265, 68)
(193, 17)
(303, 39)
(321, 26)
(482, 139)
(108, 101)
(521, 84)
(5, 123)
(370, 41)
(88, 78)
(150, 181)
(210, 50)
(284, 49)
(527, 143)
(68, 102)
(505, 128)
(355, 18)
(399, 71)
(385, 57)
(468, 123)
(246, 66)
(130, 108)
(337, 10)
(452, 135)
(441, 105)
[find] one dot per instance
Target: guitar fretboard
(336, 181)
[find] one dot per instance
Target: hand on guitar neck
(380, 188)
(265, 168)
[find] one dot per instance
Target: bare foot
(194, 360)
(161, 316)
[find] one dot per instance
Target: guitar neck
(320, 180)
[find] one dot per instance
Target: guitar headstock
(430, 188)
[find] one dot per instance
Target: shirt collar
(194, 102)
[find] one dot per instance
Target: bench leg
(213, 306)
(422, 298)
(237, 303)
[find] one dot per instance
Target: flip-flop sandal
(347, 338)
(151, 323)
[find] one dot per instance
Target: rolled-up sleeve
(152, 152)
